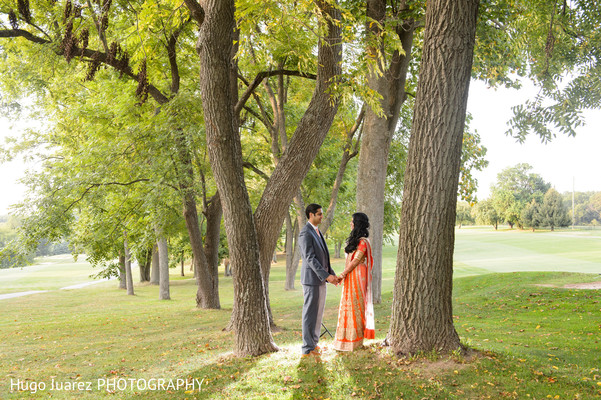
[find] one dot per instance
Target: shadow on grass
(213, 380)
(312, 380)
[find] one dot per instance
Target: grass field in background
(527, 341)
(48, 273)
(481, 250)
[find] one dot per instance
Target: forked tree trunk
(249, 316)
(389, 82)
(310, 133)
(422, 317)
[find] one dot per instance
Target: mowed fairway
(480, 250)
(528, 341)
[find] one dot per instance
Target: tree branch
(259, 78)
(249, 165)
(11, 33)
(100, 56)
(95, 185)
(196, 11)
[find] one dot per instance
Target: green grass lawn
(527, 341)
(48, 273)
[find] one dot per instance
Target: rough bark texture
(378, 132)
(304, 145)
(155, 272)
(164, 269)
(250, 321)
(213, 216)
(422, 317)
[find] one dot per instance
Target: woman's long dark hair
(361, 224)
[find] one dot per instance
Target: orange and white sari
(356, 312)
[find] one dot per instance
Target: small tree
(553, 212)
(485, 214)
(464, 214)
(531, 215)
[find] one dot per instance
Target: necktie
(319, 235)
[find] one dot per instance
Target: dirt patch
(544, 285)
(588, 285)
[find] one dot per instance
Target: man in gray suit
(315, 272)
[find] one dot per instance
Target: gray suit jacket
(316, 258)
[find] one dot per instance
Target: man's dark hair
(312, 209)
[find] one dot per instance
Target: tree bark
(206, 294)
(337, 249)
(128, 276)
(122, 278)
(163, 268)
(378, 131)
(213, 215)
(249, 317)
(422, 317)
(155, 272)
(145, 265)
(301, 221)
(290, 233)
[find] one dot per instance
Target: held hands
(333, 279)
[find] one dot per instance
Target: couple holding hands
(356, 313)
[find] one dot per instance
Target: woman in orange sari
(356, 312)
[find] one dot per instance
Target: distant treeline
(8, 232)
(557, 211)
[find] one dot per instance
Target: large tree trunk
(155, 272)
(249, 316)
(422, 317)
(389, 82)
(163, 268)
(311, 130)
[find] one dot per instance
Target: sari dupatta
(370, 326)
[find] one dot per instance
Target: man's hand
(333, 279)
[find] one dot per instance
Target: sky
(566, 162)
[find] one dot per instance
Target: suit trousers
(313, 307)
